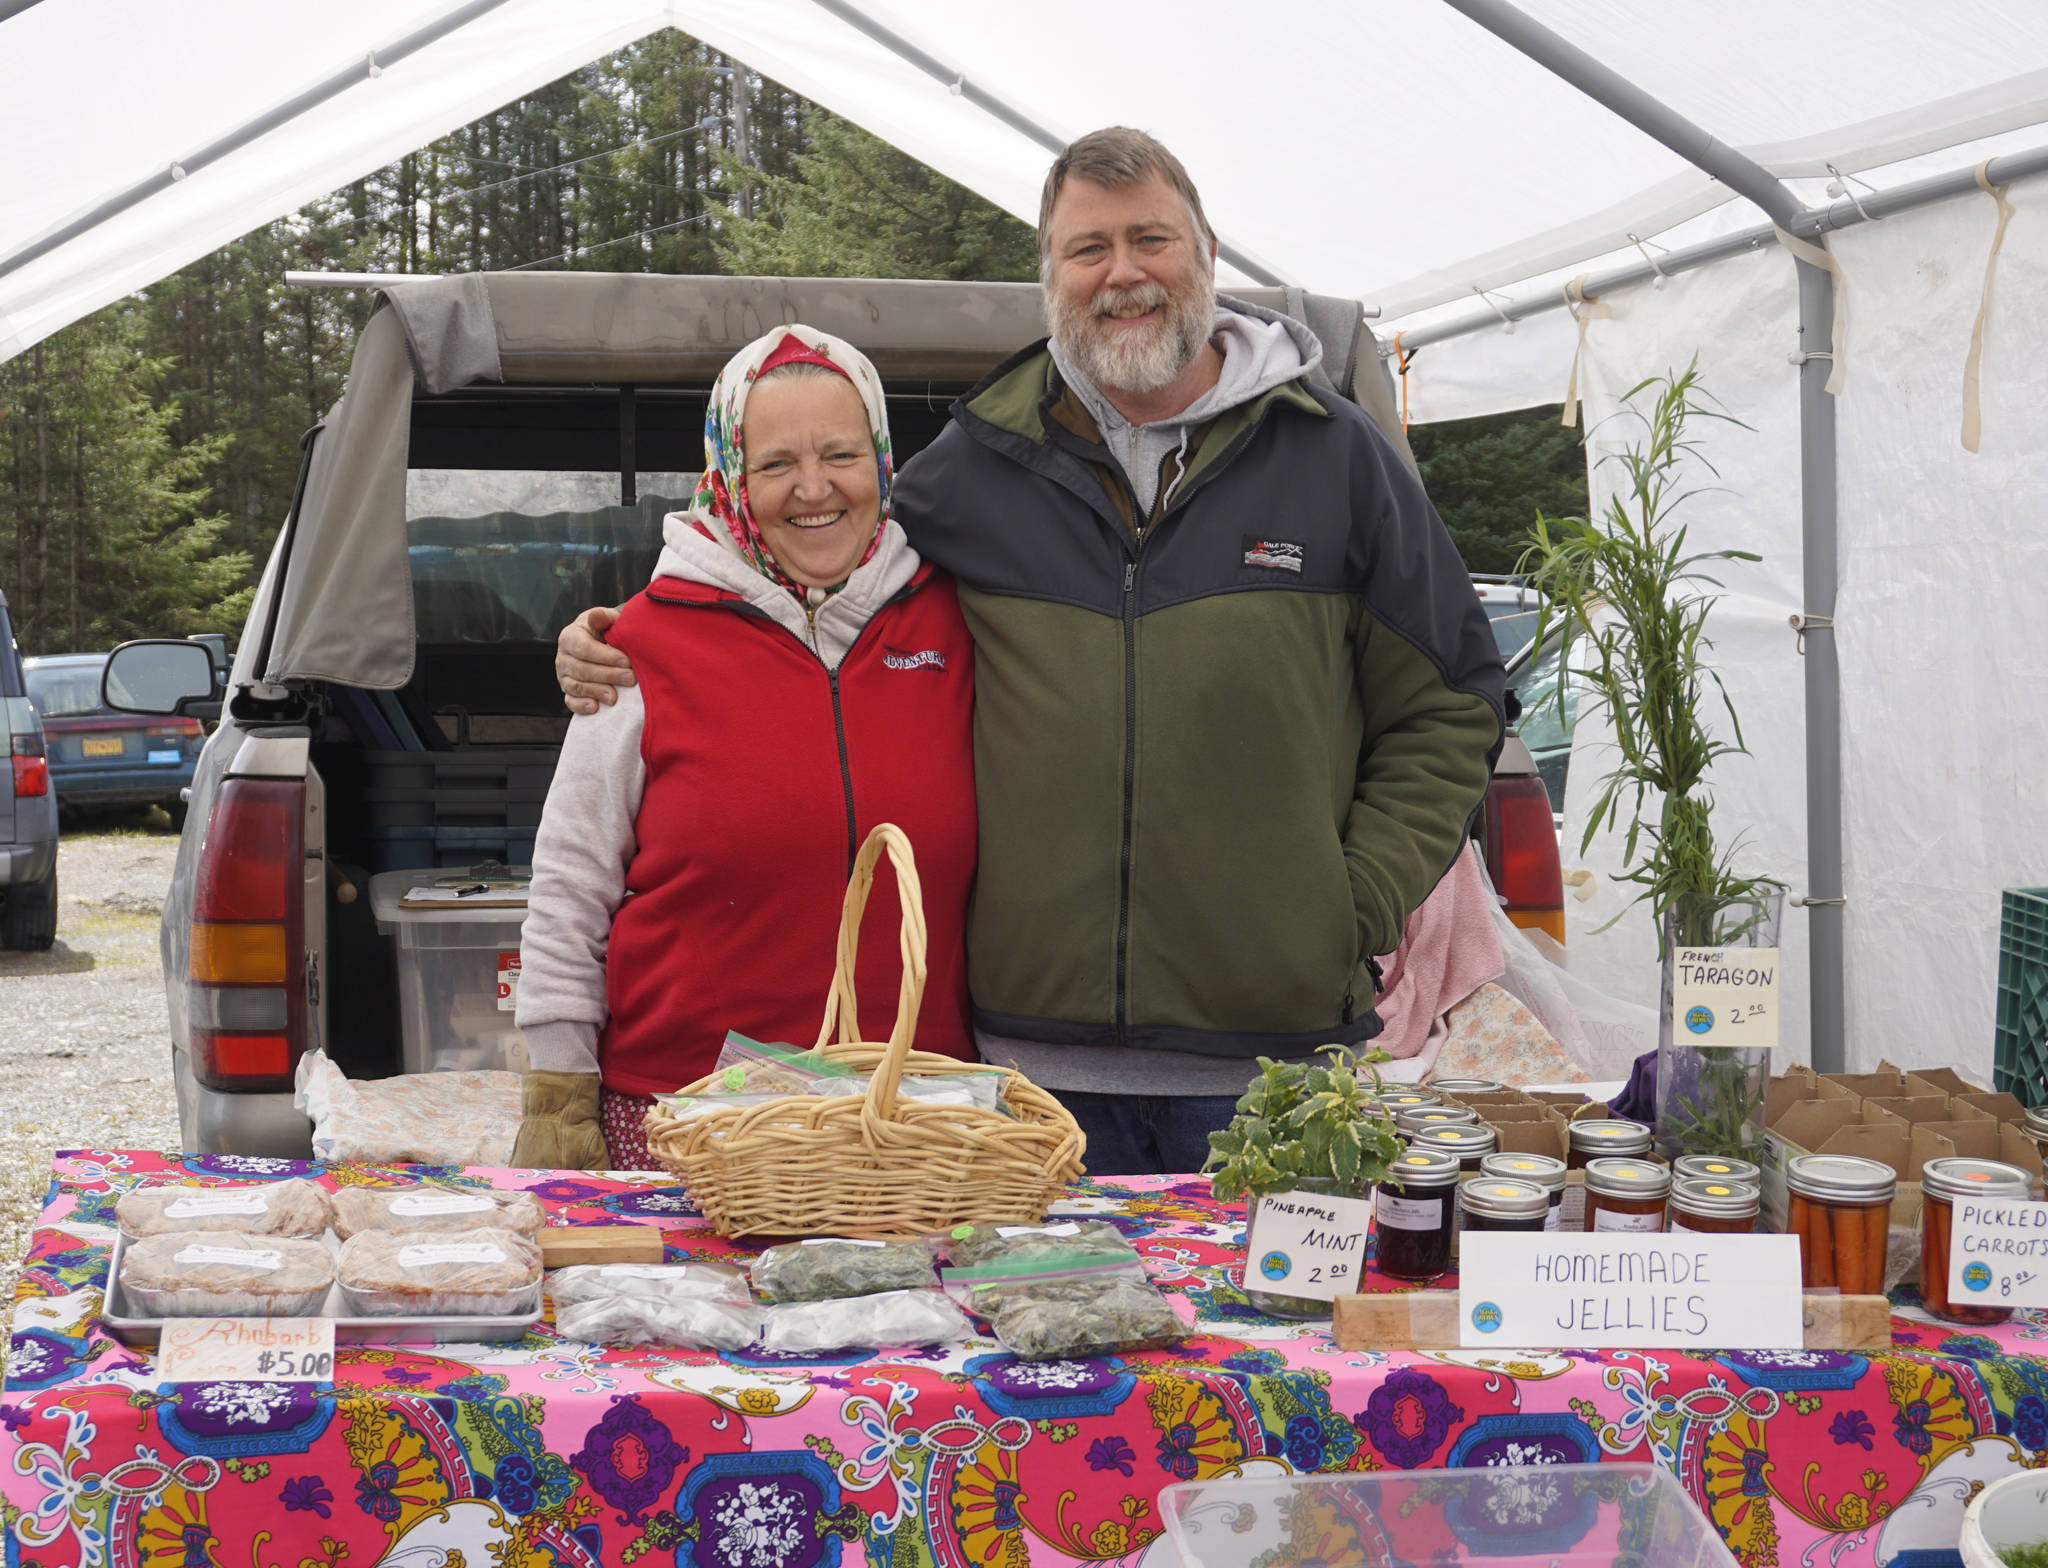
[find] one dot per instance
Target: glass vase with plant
(1629, 598)
(1305, 1126)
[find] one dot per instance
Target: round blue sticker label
(1275, 1265)
(1699, 1019)
(1486, 1317)
(1977, 1276)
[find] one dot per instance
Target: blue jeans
(1147, 1134)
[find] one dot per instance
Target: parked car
(1512, 606)
(102, 758)
(28, 812)
(503, 458)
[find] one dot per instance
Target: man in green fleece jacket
(1235, 697)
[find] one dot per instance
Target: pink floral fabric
(552, 1454)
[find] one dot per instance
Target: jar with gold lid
(1471, 1142)
(1712, 1207)
(1542, 1170)
(1411, 1121)
(1591, 1140)
(1414, 1209)
(1715, 1167)
(1465, 1086)
(1626, 1195)
(1398, 1100)
(1942, 1184)
(1495, 1203)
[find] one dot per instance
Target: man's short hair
(1114, 157)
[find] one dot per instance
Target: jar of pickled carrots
(1839, 1206)
(1942, 1182)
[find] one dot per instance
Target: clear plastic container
(458, 979)
(1494, 1515)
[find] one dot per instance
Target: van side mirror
(160, 676)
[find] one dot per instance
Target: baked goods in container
(226, 1274)
(429, 1274)
(358, 1209)
(270, 1208)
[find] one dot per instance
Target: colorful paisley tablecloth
(551, 1452)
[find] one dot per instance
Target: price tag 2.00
(1307, 1244)
(1725, 996)
(246, 1350)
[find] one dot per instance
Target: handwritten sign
(1307, 1244)
(261, 1350)
(1725, 996)
(1557, 1290)
(1998, 1253)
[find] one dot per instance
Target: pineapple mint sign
(1307, 1244)
(1725, 996)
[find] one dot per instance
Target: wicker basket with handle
(872, 1164)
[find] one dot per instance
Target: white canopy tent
(1400, 152)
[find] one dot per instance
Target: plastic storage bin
(458, 979)
(455, 808)
(2020, 1060)
(1502, 1516)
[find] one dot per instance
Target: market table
(552, 1452)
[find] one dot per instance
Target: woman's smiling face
(812, 484)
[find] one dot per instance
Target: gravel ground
(84, 1031)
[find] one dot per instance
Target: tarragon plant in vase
(1307, 1126)
(1630, 601)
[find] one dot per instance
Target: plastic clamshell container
(1548, 1516)
(2009, 1512)
(454, 1003)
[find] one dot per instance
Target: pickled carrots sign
(1725, 996)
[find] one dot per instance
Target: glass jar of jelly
(1411, 1121)
(1398, 1100)
(1626, 1195)
(1413, 1211)
(1543, 1170)
(1589, 1141)
(1942, 1182)
(1713, 1207)
(1839, 1206)
(1715, 1167)
(1455, 1086)
(1496, 1203)
(2036, 1126)
(1470, 1142)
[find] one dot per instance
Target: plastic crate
(448, 848)
(2020, 1059)
(457, 981)
(1496, 1514)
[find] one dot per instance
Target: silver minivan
(28, 811)
(502, 458)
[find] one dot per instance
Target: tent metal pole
(1843, 214)
(954, 81)
(252, 130)
(1817, 479)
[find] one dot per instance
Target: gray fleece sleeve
(580, 857)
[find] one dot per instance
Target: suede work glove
(558, 1123)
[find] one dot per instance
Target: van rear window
(512, 555)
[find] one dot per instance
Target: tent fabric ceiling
(1392, 150)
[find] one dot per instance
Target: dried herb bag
(757, 1067)
(972, 1244)
(581, 1282)
(1067, 1305)
(824, 1269)
(683, 1322)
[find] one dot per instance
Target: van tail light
(1521, 851)
(31, 767)
(246, 997)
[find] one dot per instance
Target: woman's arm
(585, 844)
(589, 670)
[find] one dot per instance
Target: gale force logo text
(1282, 555)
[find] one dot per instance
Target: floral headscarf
(720, 510)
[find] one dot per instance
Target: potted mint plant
(1630, 600)
(1308, 1126)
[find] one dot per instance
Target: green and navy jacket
(1222, 750)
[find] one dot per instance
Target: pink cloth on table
(1449, 951)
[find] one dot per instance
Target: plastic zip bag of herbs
(972, 1244)
(581, 1282)
(1052, 1308)
(892, 1320)
(825, 1268)
(757, 1067)
(684, 1322)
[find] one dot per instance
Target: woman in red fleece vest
(803, 676)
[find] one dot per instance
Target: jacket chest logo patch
(1280, 555)
(904, 659)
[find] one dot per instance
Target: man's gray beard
(1131, 362)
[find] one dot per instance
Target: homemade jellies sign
(1614, 1290)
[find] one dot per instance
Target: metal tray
(131, 1329)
